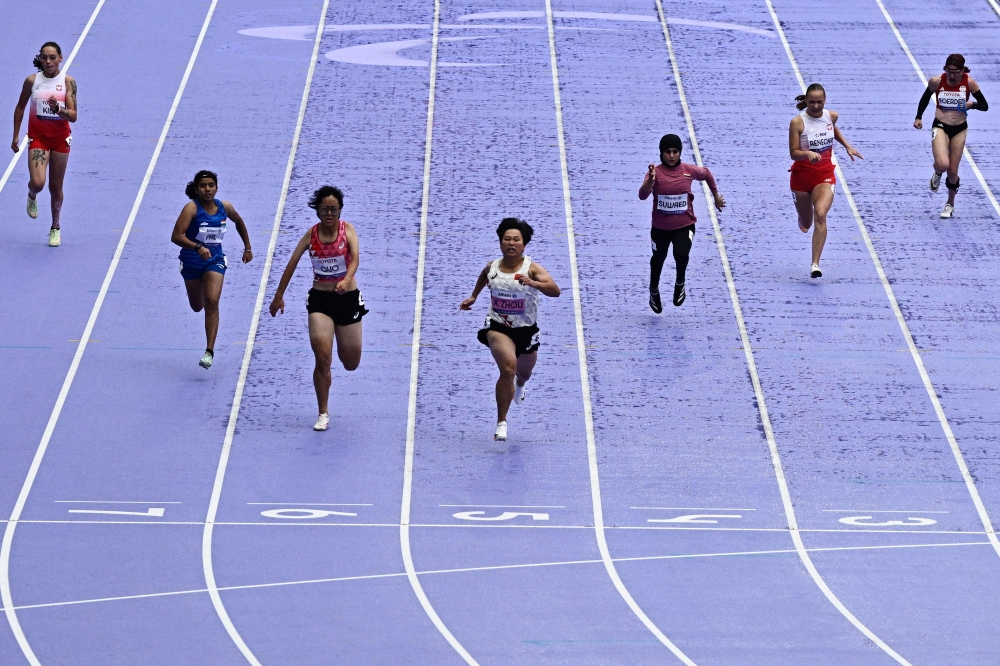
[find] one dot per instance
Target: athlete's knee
(196, 306)
(212, 304)
(952, 185)
(351, 364)
(323, 362)
(508, 369)
(940, 166)
(36, 185)
(55, 189)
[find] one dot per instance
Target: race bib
(951, 100)
(43, 110)
(335, 267)
(507, 303)
(211, 235)
(820, 141)
(672, 204)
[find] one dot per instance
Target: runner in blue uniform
(199, 231)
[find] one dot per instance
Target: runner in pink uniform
(52, 97)
(335, 305)
(673, 214)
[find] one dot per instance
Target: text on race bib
(951, 100)
(672, 204)
(211, 235)
(507, 303)
(43, 110)
(330, 266)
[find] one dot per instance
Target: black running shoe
(679, 293)
(654, 302)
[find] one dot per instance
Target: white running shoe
(32, 208)
(501, 434)
(54, 238)
(935, 182)
(206, 360)
(948, 211)
(520, 393)
(815, 272)
(322, 423)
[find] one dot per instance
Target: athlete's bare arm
(241, 229)
(177, 237)
(480, 283)
(22, 102)
(647, 182)
(69, 113)
(795, 129)
(540, 279)
(278, 302)
(839, 137)
(352, 268)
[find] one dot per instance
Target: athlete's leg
(661, 244)
(822, 199)
(955, 148)
(683, 238)
(211, 290)
(503, 352)
(939, 148)
(525, 364)
(349, 345)
(195, 291)
(321, 331)
(804, 207)
(38, 159)
(57, 173)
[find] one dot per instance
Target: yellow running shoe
(54, 238)
(32, 208)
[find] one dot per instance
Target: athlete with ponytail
(949, 129)
(810, 143)
(199, 231)
(52, 95)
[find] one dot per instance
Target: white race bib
(211, 235)
(330, 266)
(951, 100)
(507, 303)
(42, 109)
(672, 204)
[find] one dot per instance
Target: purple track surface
(693, 513)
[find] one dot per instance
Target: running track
(306, 547)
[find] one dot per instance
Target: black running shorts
(525, 337)
(343, 309)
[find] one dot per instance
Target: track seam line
(411, 407)
(772, 444)
(69, 61)
(22, 498)
(588, 410)
(942, 417)
(234, 412)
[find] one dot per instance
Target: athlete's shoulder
(349, 228)
(191, 207)
(833, 116)
(30, 80)
(797, 121)
(934, 83)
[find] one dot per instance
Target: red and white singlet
(44, 122)
(817, 136)
(953, 98)
(330, 260)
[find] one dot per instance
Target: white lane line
(411, 408)
(106, 502)
(69, 61)
(22, 498)
(234, 412)
(588, 410)
(965, 152)
(686, 508)
(874, 511)
(932, 393)
(302, 504)
(995, 5)
(502, 506)
(501, 567)
(779, 471)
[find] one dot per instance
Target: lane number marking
(863, 521)
(154, 512)
(506, 515)
(303, 514)
(695, 518)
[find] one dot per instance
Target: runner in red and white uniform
(949, 129)
(511, 329)
(673, 214)
(334, 304)
(810, 143)
(52, 97)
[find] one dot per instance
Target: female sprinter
(810, 143)
(53, 107)
(335, 305)
(673, 214)
(949, 128)
(511, 328)
(199, 231)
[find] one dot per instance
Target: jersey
(208, 229)
(511, 303)
(953, 98)
(43, 119)
(817, 136)
(330, 260)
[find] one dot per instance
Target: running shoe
(679, 293)
(322, 423)
(206, 360)
(520, 393)
(54, 238)
(501, 434)
(948, 211)
(814, 271)
(32, 208)
(935, 182)
(654, 302)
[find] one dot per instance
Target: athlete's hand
(53, 104)
(341, 287)
(918, 123)
(14, 146)
(651, 174)
(247, 256)
(852, 153)
(813, 157)
(720, 202)
(467, 303)
(204, 253)
(278, 303)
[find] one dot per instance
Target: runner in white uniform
(511, 329)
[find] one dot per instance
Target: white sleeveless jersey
(511, 303)
(45, 88)
(817, 133)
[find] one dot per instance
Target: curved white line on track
(411, 407)
(36, 463)
(588, 409)
(69, 61)
(234, 412)
(779, 472)
(609, 16)
(387, 53)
